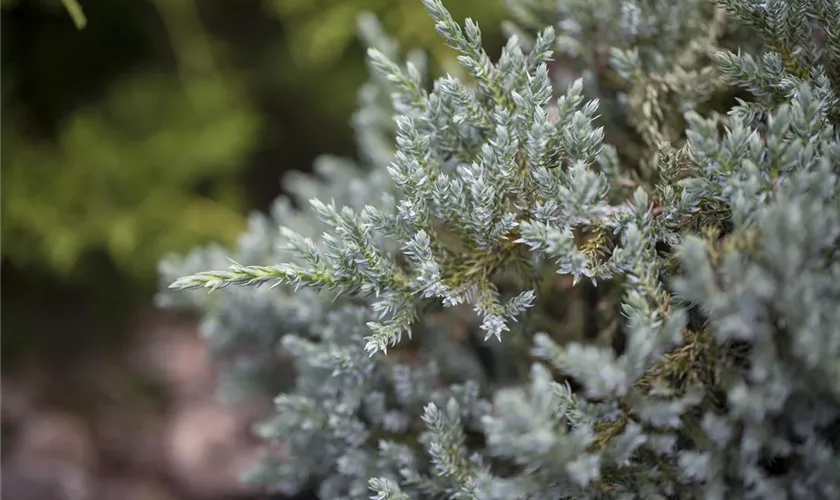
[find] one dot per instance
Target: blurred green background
(157, 127)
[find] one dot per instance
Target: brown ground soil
(143, 424)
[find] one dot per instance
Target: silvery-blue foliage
(426, 296)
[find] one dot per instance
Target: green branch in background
(76, 13)
(120, 175)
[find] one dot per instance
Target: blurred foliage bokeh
(320, 30)
(158, 125)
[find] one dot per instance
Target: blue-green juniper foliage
(606, 265)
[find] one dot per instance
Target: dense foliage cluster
(612, 275)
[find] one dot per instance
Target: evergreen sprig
(697, 359)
